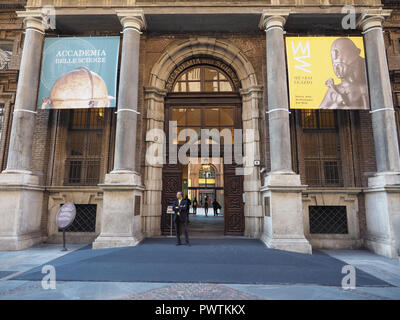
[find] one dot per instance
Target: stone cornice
(154, 91)
(253, 90)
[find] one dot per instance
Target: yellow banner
(327, 73)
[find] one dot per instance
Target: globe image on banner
(81, 88)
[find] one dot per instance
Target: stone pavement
(14, 264)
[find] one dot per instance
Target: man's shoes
(178, 244)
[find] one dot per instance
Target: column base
(300, 245)
(382, 206)
(283, 213)
(121, 220)
(21, 203)
(104, 242)
(19, 242)
(152, 225)
(253, 227)
(383, 247)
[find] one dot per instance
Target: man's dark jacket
(182, 208)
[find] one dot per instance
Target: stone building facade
(318, 179)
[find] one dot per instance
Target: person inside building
(194, 205)
(180, 208)
(216, 206)
(206, 205)
(189, 203)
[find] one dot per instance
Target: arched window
(203, 79)
(206, 175)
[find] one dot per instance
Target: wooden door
(171, 184)
(233, 201)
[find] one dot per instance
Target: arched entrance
(204, 95)
(164, 93)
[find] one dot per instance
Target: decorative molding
(202, 61)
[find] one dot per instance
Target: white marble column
(283, 217)
(21, 197)
(122, 187)
(383, 193)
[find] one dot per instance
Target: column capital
(273, 18)
(33, 19)
(132, 19)
(372, 19)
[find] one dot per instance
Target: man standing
(180, 208)
(216, 206)
(206, 205)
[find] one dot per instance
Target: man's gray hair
(181, 193)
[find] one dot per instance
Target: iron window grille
(328, 219)
(321, 148)
(85, 219)
(84, 147)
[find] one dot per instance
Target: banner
(79, 72)
(327, 73)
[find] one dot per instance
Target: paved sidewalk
(370, 266)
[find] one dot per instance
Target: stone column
(120, 225)
(21, 198)
(283, 224)
(278, 103)
(383, 193)
(125, 141)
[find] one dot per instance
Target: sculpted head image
(349, 67)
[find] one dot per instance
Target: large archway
(174, 55)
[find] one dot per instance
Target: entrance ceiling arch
(177, 52)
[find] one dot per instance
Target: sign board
(66, 215)
(79, 72)
(170, 210)
(327, 73)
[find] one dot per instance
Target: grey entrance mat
(227, 260)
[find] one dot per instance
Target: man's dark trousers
(180, 219)
(178, 225)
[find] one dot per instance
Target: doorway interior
(203, 182)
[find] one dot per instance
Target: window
(321, 148)
(84, 147)
(206, 175)
(197, 118)
(203, 79)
